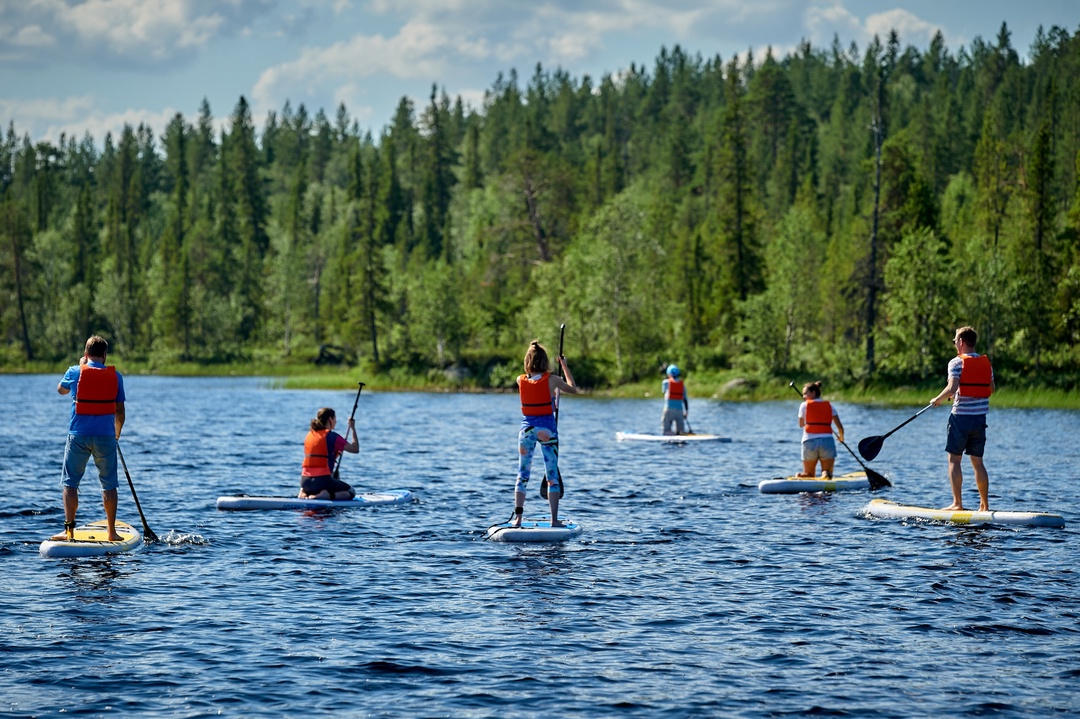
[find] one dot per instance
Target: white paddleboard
(366, 499)
(885, 509)
(533, 530)
(669, 438)
(90, 541)
(794, 485)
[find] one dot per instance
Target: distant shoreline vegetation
(834, 213)
(725, 386)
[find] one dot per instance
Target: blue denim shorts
(77, 453)
(819, 448)
(967, 433)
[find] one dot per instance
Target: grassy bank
(728, 385)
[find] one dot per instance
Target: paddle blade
(877, 480)
(870, 447)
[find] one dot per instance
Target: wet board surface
(669, 438)
(884, 509)
(364, 499)
(794, 485)
(533, 530)
(90, 541)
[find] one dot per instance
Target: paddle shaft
(352, 415)
(147, 532)
(910, 419)
(562, 334)
(873, 477)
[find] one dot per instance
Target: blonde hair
(814, 387)
(536, 359)
(322, 419)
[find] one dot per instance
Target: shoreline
(727, 386)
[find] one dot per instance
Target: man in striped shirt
(971, 382)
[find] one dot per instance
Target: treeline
(836, 211)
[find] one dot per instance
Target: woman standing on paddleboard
(321, 449)
(537, 388)
(816, 417)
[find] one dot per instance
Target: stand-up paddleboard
(795, 485)
(885, 509)
(91, 540)
(669, 438)
(366, 499)
(533, 530)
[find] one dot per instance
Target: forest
(838, 211)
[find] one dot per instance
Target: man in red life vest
(97, 416)
(971, 382)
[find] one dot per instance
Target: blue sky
(78, 66)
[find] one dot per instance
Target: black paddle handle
(352, 415)
(562, 334)
(905, 422)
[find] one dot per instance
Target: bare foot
(984, 507)
(517, 522)
(62, 537)
(557, 523)
(802, 474)
(114, 537)
(953, 508)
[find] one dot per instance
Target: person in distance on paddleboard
(676, 402)
(971, 382)
(97, 416)
(537, 389)
(816, 417)
(321, 449)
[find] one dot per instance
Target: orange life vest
(317, 452)
(976, 376)
(535, 395)
(818, 417)
(97, 389)
(675, 389)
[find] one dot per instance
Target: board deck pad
(533, 530)
(851, 481)
(884, 509)
(363, 499)
(669, 438)
(90, 541)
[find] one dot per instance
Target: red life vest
(976, 376)
(317, 452)
(535, 395)
(96, 391)
(818, 417)
(675, 389)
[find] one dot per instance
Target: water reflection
(94, 578)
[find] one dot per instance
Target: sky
(90, 66)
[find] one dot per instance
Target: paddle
(337, 460)
(877, 481)
(689, 429)
(147, 532)
(870, 446)
(543, 485)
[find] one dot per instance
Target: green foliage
(723, 212)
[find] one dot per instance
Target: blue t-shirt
(87, 425)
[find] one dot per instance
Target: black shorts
(967, 433)
(315, 485)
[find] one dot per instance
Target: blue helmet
(673, 370)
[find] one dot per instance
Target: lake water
(689, 593)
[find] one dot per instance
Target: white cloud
(825, 20)
(49, 118)
(107, 30)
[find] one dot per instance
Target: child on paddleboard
(676, 403)
(321, 449)
(539, 397)
(816, 417)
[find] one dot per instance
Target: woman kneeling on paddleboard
(537, 388)
(321, 449)
(816, 417)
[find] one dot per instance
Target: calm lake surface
(689, 593)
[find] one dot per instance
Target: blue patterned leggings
(549, 447)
